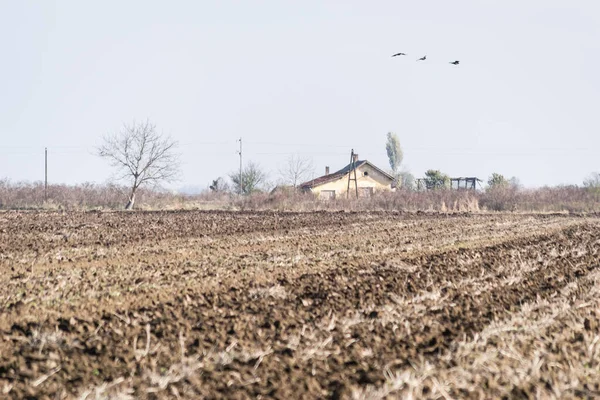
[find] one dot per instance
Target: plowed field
(314, 305)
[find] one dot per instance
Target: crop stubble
(308, 305)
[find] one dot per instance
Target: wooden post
(352, 170)
(241, 181)
(46, 174)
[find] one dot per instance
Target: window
(366, 173)
(327, 194)
(365, 192)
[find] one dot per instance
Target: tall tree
(394, 151)
(253, 177)
(296, 170)
(141, 156)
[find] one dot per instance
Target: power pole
(45, 174)
(352, 170)
(241, 182)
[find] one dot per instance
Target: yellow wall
(375, 179)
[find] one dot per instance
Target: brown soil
(307, 305)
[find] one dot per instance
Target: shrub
(23, 195)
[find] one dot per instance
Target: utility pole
(352, 170)
(45, 174)
(241, 182)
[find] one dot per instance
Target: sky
(313, 79)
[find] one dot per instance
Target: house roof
(341, 173)
(283, 189)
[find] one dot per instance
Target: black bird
(422, 58)
(455, 62)
(399, 54)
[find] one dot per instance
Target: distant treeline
(87, 196)
(26, 195)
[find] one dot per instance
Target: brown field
(311, 305)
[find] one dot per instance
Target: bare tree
(219, 186)
(405, 180)
(296, 170)
(253, 178)
(141, 156)
(592, 181)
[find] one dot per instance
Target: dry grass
(547, 347)
(118, 389)
(275, 292)
(377, 305)
(176, 379)
(87, 196)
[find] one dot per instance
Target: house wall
(374, 179)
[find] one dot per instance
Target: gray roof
(341, 173)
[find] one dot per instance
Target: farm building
(369, 180)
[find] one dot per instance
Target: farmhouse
(369, 180)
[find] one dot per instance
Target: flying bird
(399, 54)
(422, 58)
(455, 62)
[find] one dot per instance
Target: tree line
(143, 157)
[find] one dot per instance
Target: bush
(500, 198)
(434, 179)
(23, 195)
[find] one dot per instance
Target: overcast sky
(313, 78)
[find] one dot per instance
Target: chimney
(326, 170)
(355, 157)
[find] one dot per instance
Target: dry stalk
(45, 377)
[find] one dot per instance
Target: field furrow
(315, 305)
